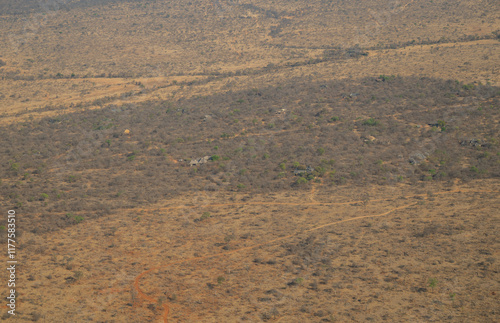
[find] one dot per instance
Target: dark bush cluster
(339, 132)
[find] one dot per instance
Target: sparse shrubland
(398, 133)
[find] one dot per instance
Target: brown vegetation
(353, 159)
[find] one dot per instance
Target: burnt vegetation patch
(355, 132)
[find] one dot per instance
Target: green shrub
(205, 216)
(387, 78)
(309, 177)
(319, 171)
(131, 156)
(442, 125)
(301, 180)
(433, 282)
(76, 218)
(215, 157)
(14, 166)
(370, 122)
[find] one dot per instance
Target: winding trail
(165, 305)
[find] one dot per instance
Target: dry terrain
(352, 170)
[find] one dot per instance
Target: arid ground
(352, 170)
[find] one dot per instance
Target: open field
(335, 255)
(80, 53)
(351, 173)
(28, 98)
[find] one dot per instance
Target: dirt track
(166, 308)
